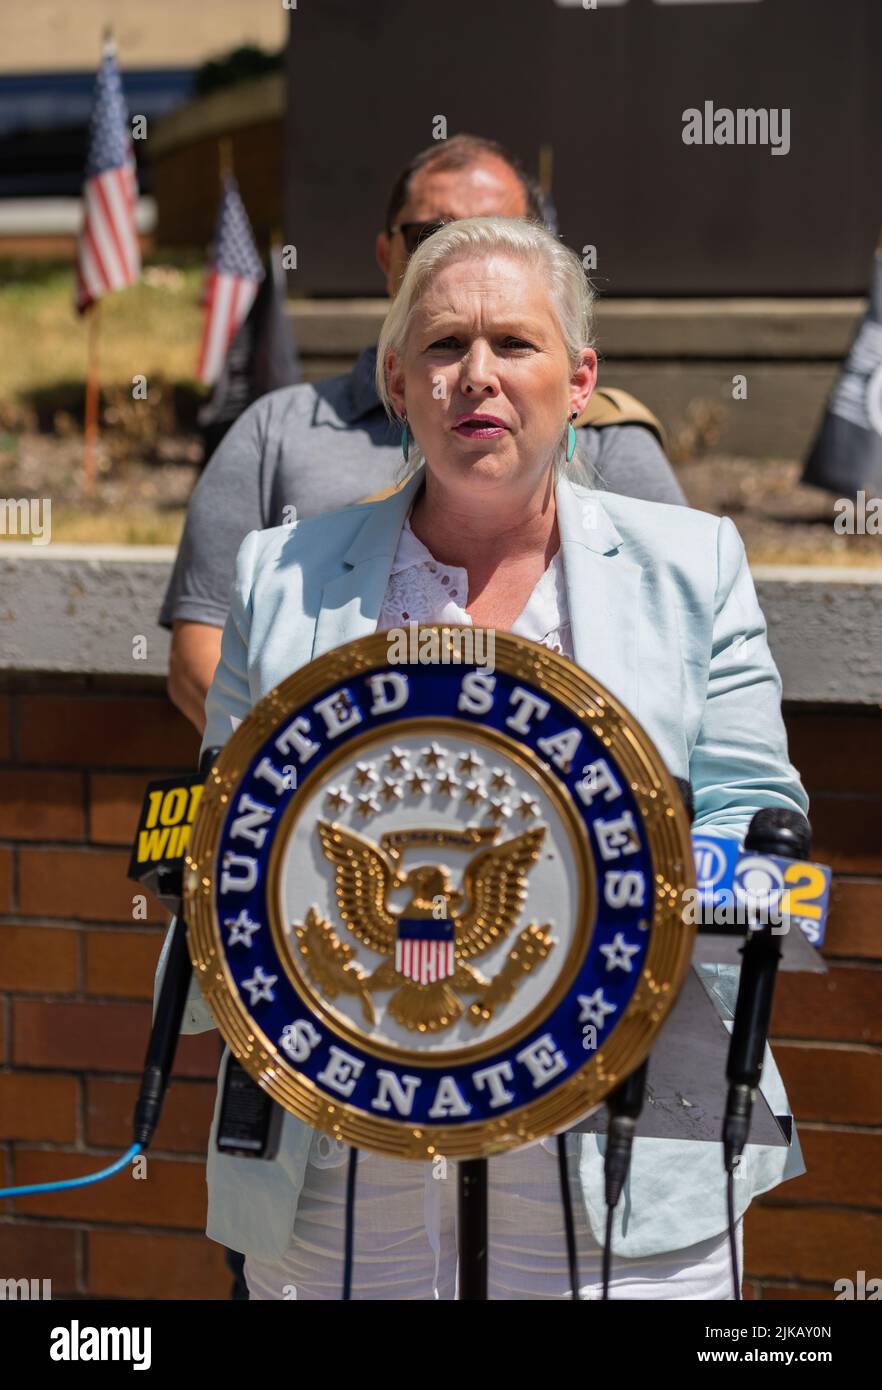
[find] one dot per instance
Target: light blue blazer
(663, 613)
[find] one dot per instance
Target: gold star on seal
(364, 774)
(501, 779)
(338, 797)
(498, 809)
(527, 807)
(417, 784)
(474, 793)
(367, 805)
(468, 763)
(397, 760)
(391, 789)
(447, 783)
(433, 755)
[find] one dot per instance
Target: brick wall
(76, 975)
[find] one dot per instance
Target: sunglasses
(415, 233)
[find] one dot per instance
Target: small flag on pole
(262, 358)
(234, 275)
(846, 456)
(108, 254)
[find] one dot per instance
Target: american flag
(108, 254)
(234, 275)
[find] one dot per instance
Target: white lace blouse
(422, 590)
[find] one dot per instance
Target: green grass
(133, 526)
(145, 330)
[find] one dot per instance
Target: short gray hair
(572, 297)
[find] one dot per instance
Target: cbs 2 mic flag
(108, 253)
(847, 453)
(234, 275)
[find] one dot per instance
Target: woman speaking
(485, 358)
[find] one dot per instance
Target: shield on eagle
(424, 949)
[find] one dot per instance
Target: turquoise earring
(405, 439)
(571, 437)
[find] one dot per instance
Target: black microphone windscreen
(688, 796)
(779, 830)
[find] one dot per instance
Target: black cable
(349, 1236)
(566, 1197)
(733, 1244)
(607, 1252)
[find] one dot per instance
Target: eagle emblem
(430, 942)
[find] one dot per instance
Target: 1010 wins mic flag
(847, 453)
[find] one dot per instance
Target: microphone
(163, 1041)
(787, 834)
(688, 796)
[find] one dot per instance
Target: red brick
(172, 1193)
(842, 1085)
(115, 800)
(792, 1292)
(836, 752)
(40, 1252)
(121, 1264)
(112, 731)
(185, 1123)
(5, 880)
(818, 1244)
(38, 1107)
(41, 805)
(89, 885)
(41, 960)
(844, 1167)
(842, 1005)
(122, 963)
(99, 1037)
(848, 833)
(854, 916)
(5, 727)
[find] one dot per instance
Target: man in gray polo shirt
(312, 448)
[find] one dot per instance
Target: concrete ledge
(79, 609)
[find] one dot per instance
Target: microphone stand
(786, 834)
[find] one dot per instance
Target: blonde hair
(571, 295)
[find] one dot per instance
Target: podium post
(471, 1216)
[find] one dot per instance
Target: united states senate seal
(436, 908)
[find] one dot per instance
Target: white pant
(405, 1237)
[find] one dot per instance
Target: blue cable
(74, 1182)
